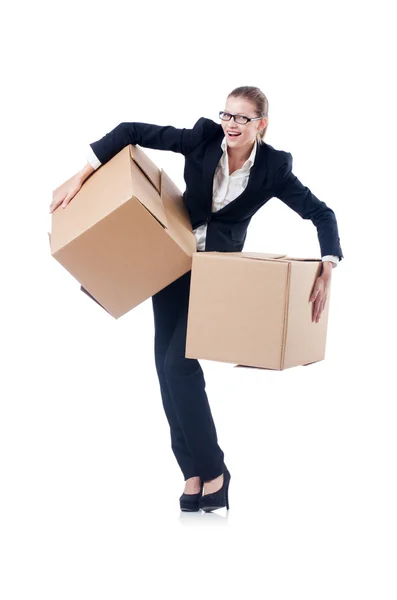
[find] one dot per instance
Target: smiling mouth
(230, 135)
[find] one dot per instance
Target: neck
(240, 154)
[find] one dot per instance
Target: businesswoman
(230, 172)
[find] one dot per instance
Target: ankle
(195, 479)
(192, 485)
(214, 485)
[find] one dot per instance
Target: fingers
(66, 201)
(317, 297)
(318, 308)
(57, 198)
(54, 205)
(315, 312)
(62, 200)
(65, 193)
(315, 292)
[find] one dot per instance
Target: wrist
(85, 172)
(327, 268)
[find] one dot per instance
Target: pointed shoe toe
(190, 502)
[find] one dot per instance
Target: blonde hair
(258, 98)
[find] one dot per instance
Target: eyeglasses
(242, 119)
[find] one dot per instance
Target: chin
(240, 142)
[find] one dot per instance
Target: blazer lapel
(211, 159)
(258, 173)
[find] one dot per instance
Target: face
(247, 132)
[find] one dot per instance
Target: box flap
(172, 200)
(179, 224)
(302, 259)
(262, 255)
(144, 190)
(147, 166)
(92, 297)
(268, 256)
(255, 255)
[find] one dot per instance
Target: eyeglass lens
(238, 118)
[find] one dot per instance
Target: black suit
(271, 175)
(193, 434)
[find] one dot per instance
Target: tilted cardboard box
(254, 309)
(126, 234)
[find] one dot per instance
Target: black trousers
(193, 435)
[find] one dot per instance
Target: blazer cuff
(332, 258)
(92, 159)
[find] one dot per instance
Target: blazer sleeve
(297, 196)
(158, 137)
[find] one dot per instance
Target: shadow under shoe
(190, 502)
(218, 499)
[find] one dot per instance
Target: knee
(179, 366)
(171, 364)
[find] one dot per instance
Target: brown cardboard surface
(305, 341)
(253, 309)
(116, 236)
(179, 226)
(148, 168)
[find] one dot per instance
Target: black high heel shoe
(190, 502)
(217, 499)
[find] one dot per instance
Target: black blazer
(270, 176)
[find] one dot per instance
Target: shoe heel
(217, 499)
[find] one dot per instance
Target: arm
(146, 135)
(86, 171)
(332, 259)
(294, 194)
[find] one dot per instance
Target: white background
(89, 484)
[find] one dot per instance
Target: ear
(263, 123)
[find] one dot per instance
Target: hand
(65, 192)
(320, 293)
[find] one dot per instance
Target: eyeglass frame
(238, 115)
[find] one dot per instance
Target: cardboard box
(253, 309)
(126, 234)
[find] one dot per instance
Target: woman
(230, 172)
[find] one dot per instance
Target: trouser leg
(186, 385)
(193, 433)
(166, 311)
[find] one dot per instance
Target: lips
(230, 134)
